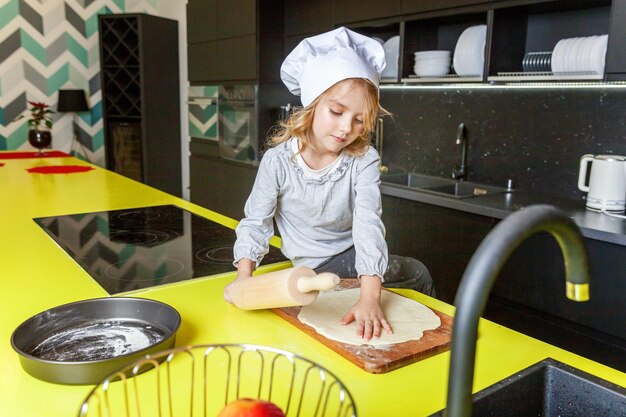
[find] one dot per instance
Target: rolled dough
(408, 318)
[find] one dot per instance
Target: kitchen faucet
(460, 172)
(378, 144)
(480, 275)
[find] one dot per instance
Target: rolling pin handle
(321, 282)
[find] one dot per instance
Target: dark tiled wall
(534, 136)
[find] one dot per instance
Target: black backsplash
(533, 135)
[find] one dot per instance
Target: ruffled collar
(332, 175)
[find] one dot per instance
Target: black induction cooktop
(137, 248)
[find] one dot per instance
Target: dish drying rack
(200, 380)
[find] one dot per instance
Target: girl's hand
(244, 271)
(367, 313)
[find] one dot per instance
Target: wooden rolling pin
(290, 287)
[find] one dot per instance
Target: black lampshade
(72, 101)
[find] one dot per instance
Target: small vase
(40, 139)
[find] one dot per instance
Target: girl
(320, 180)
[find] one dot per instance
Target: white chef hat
(320, 61)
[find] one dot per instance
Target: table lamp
(73, 101)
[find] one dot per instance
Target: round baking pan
(84, 341)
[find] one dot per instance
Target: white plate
(557, 56)
(458, 60)
(392, 53)
(585, 53)
(469, 51)
(432, 54)
(598, 54)
(563, 54)
(478, 50)
(574, 55)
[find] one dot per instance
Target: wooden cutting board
(382, 359)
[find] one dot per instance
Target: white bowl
(430, 54)
(432, 73)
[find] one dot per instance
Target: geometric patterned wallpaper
(203, 111)
(47, 45)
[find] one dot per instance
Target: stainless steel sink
(550, 388)
(441, 186)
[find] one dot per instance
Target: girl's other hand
(244, 271)
(240, 277)
(367, 313)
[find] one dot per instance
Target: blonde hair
(300, 122)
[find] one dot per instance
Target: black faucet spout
(480, 275)
(460, 172)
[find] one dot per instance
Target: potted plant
(40, 123)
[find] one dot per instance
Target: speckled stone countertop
(593, 225)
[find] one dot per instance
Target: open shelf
(519, 30)
(439, 33)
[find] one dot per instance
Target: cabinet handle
(201, 101)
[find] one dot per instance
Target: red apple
(250, 407)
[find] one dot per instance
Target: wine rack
(140, 89)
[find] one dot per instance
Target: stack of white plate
(583, 54)
(469, 53)
(392, 54)
(432, 63)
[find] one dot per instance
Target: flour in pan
(97, 340)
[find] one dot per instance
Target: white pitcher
(607, 181)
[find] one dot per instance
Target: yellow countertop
(36, 275)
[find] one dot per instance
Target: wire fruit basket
(200, 380)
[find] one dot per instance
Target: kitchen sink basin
(441, 186)
(548, 389)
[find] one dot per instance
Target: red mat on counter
(59, 169)
(35, 154)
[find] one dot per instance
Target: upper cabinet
(349, 11)
(304, 18)
(420, 6)
(222, 41)
(487, 40)
(616, 52)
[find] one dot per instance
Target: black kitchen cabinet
(308, 17)
(222, 41)
(616, 51)
(140, 96)
(347, 11)
(304, 18)
(529, 294)
(443, 239)
(217, 184)
(421, 6)
(201, 21)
